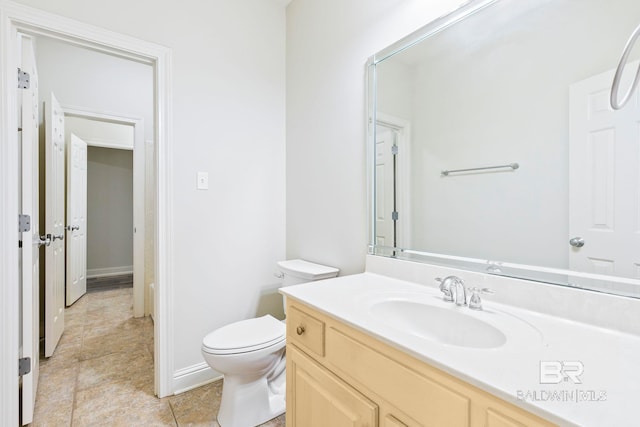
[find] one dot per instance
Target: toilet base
(249, 402)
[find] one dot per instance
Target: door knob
(577, 242)
(43, 240)
(72, 227)
(53, 238)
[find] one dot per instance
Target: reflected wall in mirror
(524, 86)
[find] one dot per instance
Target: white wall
(109, 211)
(91, 80)
(395, 89)
(228, 108)
(328, 43)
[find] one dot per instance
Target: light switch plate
(203, 181)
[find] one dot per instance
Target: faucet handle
(475, 303)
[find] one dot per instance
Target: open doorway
(110, 126)
(18, 19)
(110, 253)
(110, 256)
(108, 101)
(129, 188)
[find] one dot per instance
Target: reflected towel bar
(513, 166)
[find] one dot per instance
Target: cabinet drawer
(305, 331)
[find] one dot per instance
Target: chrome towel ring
(617, 104)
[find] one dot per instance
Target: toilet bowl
(251, 356)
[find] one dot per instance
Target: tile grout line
(173, 414)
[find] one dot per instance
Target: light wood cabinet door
(317, 398)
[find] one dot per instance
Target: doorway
(393, 181)
(110, 254)
(115, 132)
(114, 214)
(17, 18)
(107, 101)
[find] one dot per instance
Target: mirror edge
(370, 96)
(433, 27)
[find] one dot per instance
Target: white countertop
(611, 359)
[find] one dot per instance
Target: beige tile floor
(101, 374)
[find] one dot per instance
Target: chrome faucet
(445, 288)
(453, 285)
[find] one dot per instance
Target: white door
(385, 191)
(30, 239)
(54, 226)
(604, 160)
(76, 219)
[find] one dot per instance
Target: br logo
(555, 371)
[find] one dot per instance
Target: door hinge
(24, 366)
(23, 79)
(394, 215)
(24, 223)
(394, 150)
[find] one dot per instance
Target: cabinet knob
(300, 330)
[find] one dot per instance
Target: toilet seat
(245, 336)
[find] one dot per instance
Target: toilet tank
(296, 271)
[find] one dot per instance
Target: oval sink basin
(449, 325)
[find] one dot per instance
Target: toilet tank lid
(307, 270)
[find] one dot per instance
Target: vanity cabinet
(340, 376)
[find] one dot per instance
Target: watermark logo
(566, 372)
(574, 395)
(556, 371)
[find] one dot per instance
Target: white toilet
(251, 355)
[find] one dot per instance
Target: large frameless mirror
(493, 145)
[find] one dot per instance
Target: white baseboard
(194, 376)
(110, 271)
